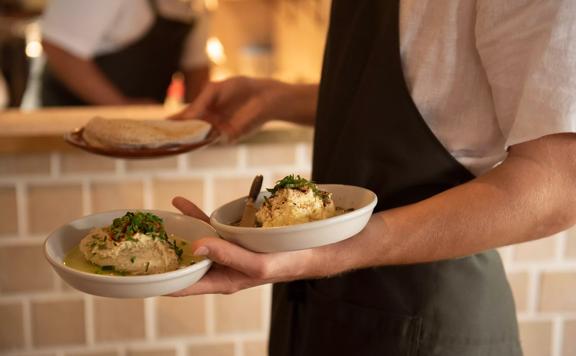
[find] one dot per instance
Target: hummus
(295, 200)
(134, 244)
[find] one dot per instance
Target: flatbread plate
(77, 138)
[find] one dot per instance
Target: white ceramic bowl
(62, 240)
(301, 236)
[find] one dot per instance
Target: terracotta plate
(75, 138)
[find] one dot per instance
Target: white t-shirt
(88, 28)
(488, 74)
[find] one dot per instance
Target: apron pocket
(333, 327)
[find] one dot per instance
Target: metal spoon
(249, 214)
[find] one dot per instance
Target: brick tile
(539, 250)
(536, 338)
(86, 163)
(256, 348)
(152, 352)
(571, 243)
(213, 157)
(308, 153)
(180, 316)
(24, 164)
(241, 311)
(558, 291)
(519, 282)
(271, 154)
(117, 195)
(58, 323)
(223, 349)
(52, 206)
(227, 189)
(8, 207)
(118, 319)
(11, 327)
(93, 353)
(166, 189)
(569, 345)
(138, 165)
(24, 269)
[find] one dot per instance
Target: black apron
(369, 133)
(143, 69)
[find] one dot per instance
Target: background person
(117, 52)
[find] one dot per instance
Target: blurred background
(44, 184)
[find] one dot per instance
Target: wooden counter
(42, 130)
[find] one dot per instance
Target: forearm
(295, 103)
(527, 197)
(82, 77)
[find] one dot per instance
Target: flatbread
(126, 133)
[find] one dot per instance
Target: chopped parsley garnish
(299, 183)
(132, 223)
(132, 259)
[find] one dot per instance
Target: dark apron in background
(369, 133)
(143, 69)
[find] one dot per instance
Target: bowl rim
(127, 279)
(303, 226)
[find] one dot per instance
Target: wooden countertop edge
(45, 143)
(43, 130)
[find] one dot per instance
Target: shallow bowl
(68, 236)
(301, 236)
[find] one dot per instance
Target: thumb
(230, 255)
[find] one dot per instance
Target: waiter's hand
(236, 268)
(239, 105)
(235, 106)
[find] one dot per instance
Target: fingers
(218, 280)
(233, 256)
(186, 207)
(198, 108)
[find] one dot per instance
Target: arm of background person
(531, 195)
(82, 76)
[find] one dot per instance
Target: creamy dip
(75, 259)
(295, 200)
(135, 244)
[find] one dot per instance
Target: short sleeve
(528, 50)
(194, 54)
(79, 25)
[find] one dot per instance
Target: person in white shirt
(461, 116)
(116, 52)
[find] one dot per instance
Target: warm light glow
(215, 51)
(33, 38)
(211, 5)
(33, 49)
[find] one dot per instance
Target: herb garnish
(294, 182)
(299, 183)
(139, 222)
(127, 226)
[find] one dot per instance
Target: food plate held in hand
(297, 214)
(128, 254)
